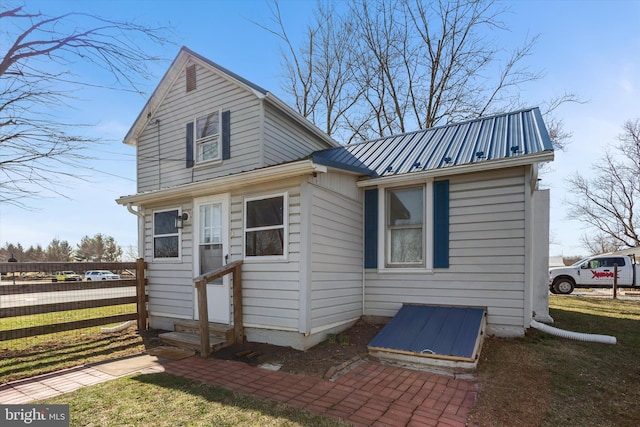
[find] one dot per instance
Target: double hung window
(208, 137)
(265, 226)
(166, 234)
(405, 227)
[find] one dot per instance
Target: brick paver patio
(366, 394)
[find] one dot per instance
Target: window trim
(384, 248)
(218, 138)
(284, 226)
(389, 229)
(154, 236)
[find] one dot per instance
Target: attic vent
(191, 77)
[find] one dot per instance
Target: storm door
(210, 245)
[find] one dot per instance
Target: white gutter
(455, 170)
(226, 183)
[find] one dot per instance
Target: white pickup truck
(594, 272)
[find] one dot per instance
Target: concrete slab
(128, 365)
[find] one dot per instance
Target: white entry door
(211, 249)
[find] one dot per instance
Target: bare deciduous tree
(599, 243)
(38, 147)
(130, 253)
(557, 132)
(373, 69)
(320, 76)
(608, 201)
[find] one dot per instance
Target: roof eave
(359, 170)
(224, 183)
(541, 157)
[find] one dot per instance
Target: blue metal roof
(432, 331)
(503, 136)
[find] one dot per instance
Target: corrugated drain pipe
(604, 339)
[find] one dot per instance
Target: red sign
(601, 274)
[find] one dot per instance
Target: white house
(329, 234)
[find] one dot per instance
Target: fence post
(615, 281)
(141, 293)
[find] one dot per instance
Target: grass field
(27, 357)
(543, 380)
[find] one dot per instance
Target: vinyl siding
(487, 254)
(170, 281)
(336, 251)
(271, 288)
(286, 140)
(161, 146)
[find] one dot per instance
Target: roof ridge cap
(464, 122)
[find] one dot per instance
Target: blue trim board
(441, 224)
(371, 228)
(226, 135)
(189, 145)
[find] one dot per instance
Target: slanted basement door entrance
(443, 336)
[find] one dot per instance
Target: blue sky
(590, 48)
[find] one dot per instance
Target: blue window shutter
(371, 228)
(441, 224)
(190, 144)
(226, 135)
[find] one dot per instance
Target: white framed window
(166, 234)
(404, 227)
(207, 137)
(210, 245)
(266, 226)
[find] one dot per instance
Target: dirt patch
(316, 361)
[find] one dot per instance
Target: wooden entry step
(219, 330)
(191, 341)
(186, 335)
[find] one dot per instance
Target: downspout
(140, 216)
(363, 288)
(364, 271)
(604, 339)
